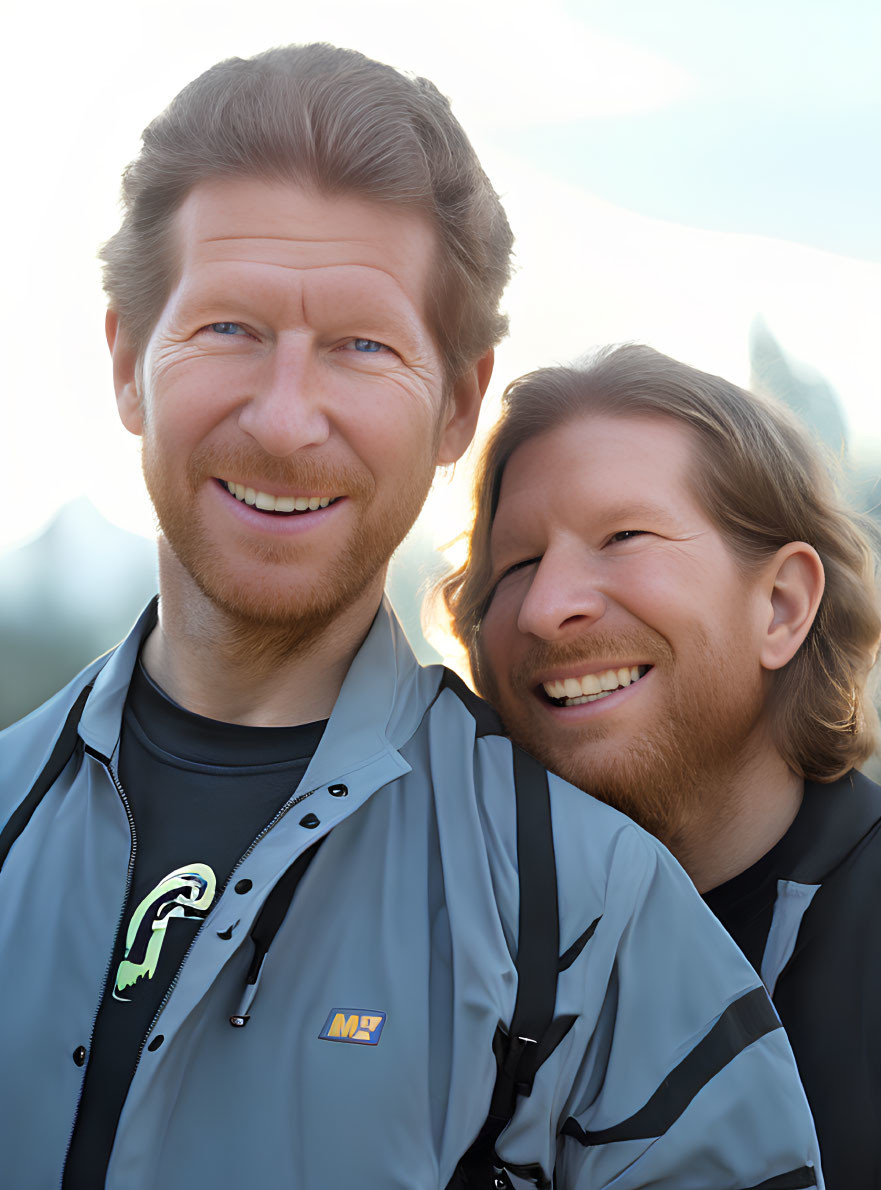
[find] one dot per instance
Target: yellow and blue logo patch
(358, 1025)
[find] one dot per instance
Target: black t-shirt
(745, 904)
(200, 791)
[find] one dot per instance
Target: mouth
(276, 505)
(590, 687)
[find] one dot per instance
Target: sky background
(671, 172)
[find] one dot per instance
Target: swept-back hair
(764, 483)
(338, 123)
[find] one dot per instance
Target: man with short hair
(669, 604)
(278, 907)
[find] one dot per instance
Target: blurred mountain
(802, 387)
(777, 373)
(66, 597)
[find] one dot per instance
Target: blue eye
(367, 345)
(225, 328)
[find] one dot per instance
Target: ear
(463, 409)
(125, 374)
(797, 580)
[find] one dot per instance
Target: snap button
(310, 821)
(79, 1055)
(243, 886)
(338, 790)
(239, 1022)
(156, 1042)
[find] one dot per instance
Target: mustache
(298, 473)
(592, 647)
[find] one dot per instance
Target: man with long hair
(670, 605)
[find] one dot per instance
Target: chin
(637, 782)
(282, 596)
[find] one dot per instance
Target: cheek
(388, 432)
(499, 637)
(672, 598)
(183, 404)
(662, 605)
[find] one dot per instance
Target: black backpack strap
(64, 748)
(533, 1032)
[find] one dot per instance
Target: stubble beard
(681, 771)
(265, 624)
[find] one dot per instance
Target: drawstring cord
(267, 925)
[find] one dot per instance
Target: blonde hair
(763, 482)
(337, 122)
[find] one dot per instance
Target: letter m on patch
(361, 1026)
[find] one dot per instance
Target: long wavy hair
(764, 483)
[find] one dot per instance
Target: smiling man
(279, 908)
(669, 605)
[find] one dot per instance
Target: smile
(267, 503)
(572, 692)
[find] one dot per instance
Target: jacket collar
(101, 721)
(833, 819)
(383, 697)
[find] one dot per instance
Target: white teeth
(267, 503)
(574, 691)
(576, 702)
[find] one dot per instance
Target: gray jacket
(407, 920)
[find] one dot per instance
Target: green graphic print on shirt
(185, 892)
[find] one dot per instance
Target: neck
(224, 667)
(742, 817)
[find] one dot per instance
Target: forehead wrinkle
(380, 303)
(299, 239)
(321, 265)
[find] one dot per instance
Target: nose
(564, 597)
(287, 408)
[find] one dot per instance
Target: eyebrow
(627, 512)
(389, 314)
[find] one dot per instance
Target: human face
(292, 400)
(621, 641)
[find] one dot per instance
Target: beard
(679, 767)
(281, 608)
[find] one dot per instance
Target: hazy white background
(670, 170)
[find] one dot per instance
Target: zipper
(294, 799)
(128, 884)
